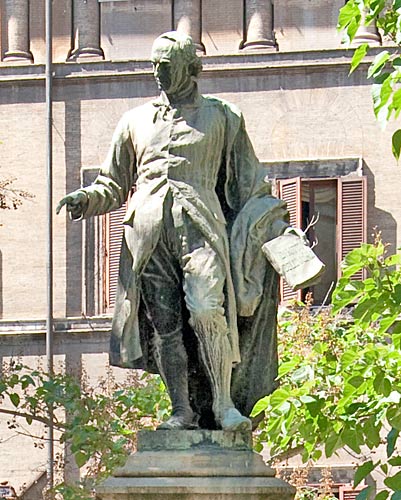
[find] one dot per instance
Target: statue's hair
(185, 45)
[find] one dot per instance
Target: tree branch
(286, 455)
(28, 416)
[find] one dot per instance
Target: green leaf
(382, 385)
(80, 458)
(26, 380)
(258, 447)
(393, 482)
(364, 308)
(396, 495)
(359, 54)
(372, 432)
(315, 406)
(378, 63)
(356, 381)
(394, 418)
(381, 94)
(278, 397)
(395, 461)
(376, 6)
(396, 143)
(392, 437)
(382, 495)
(394, 259)
(333, 442)
(396, 103)
(364, 494)
(348, 14)
(363, 471)
(260, 406)
(348, 358)
(288, 366)
(15, 399)
(302, 374)
(352, 439)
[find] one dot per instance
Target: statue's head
(175, 62)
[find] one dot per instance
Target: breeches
(183, 265)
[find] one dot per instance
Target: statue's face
(169, 68)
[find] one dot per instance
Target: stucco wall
(294, 109)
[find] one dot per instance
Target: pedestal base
(86, 54)
(189, 465)
(258, 45)
(18, 56)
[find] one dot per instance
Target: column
(367, 34)
(258, 25)
(86, 26)
(17, 22)
(187, 19)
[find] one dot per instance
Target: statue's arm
(114, 182)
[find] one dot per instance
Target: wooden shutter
(351, 222)
(347, 492)
(113, 234)
(290, 192)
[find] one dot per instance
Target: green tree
(385, 69)
(340, 374)
(98, 423)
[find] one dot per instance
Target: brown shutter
(347, 492)
(351, 213)
(290, 192)
(113, 234)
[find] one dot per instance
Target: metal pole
(49, 262)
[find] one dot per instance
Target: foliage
(385, 69)
(340, 373)
(340, 386)
(299, 476)
(99, 424)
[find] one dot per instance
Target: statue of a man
(195, 293)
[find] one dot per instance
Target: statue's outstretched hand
(75, 204)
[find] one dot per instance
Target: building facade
(280, 62)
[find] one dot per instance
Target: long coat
(202, 155)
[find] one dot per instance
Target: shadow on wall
(1, 284)
(303, 15)
(383, 220)
(73, 231)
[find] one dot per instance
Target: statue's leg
(161, 291)
(203, 282)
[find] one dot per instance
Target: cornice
(215, 65)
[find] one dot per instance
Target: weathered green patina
(196, 296)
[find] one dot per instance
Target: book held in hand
(294, 261)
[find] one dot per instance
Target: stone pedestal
(189, 465)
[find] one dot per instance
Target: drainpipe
(49, 261)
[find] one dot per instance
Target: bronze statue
(196, 297)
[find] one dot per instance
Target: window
(113, 231)
(339, 203)
(339, 206)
